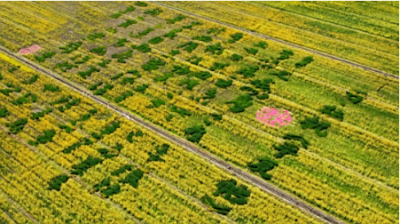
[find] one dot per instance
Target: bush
(286, 149)
(70, 47)
(141, 4)
(176, 19)
(174, 52)
(127, 23)
(190, 26)
(55, 182)
(111, 190)
(4, 112)
(126, 80)
(235, 37)
(117, 76)
(156, 40)
(263, 166)
(141, 34)
(240, 103)
(157, 103)
(261, 44)
(160, 152)
(133, 178)
(88, 72)
(217, 117)
(189, 46)
(154, 12)
(304, 62)
(123, 96)
(314, 123)
(194, 60)
(38, 115)
(142, 48)
(99, 50)
(285, 54)
(84, 60)
(331, 111)
(30, 81)
(45, 138)
(236, 57)
(251, 50)
(216, 31)
(354, 98)
(96, 36)
(51, 88)
(203, 38)
(163, 78)
(134, 72)
(121, 42)
(203, 75)
(64, 66)
(122, 56)
(103, 183)
(284, 75)
(141, 88)
(210, 94)
(300, 138)
(44, 56)
(181, 70)
(249, 71)
(234, 194)
(104, 63)
(94, 86)
(181, 111)
(264, 84)
(207, 200)
(153, 64)
(172, 34)
(252, 91)
(223, 83)
(17, 125)
(215, 49)
(195, 133)
(122, 169)
(218, 66)
(190, 83)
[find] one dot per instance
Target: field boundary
(256, 181)
(282, 42)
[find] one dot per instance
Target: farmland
(128, 110)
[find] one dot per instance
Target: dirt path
(283, 42)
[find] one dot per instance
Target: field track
(189, 147)
(283, 42)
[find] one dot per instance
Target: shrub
(153, 64)
(261, 44)
(354, 98)
(157, 103)
(84, 60)
(235, 37)
(141, 34)
(263, 166)
(190, 26)
(195, 133)
(331, 111)
(216, 31)
(181, 111)
(4, 112)
(176, 19)
(88, 72)
(117, 76)
(207, 200)
(249, 71)
(305, 61)
(17, 125)
(161, 150)
(67, 128)
(141, 4)
(231, 192)
(127, 23)
(236, 57)
(264, 84)
(121, 42)
(251, 50)
(122, 56)
(156, 40)
(218, 66)
(94, 86)
(45, 56)
(111, 190)
(45, 138)
(203, 75)
(286, 149)
(64, 66)
(190, 83)
(142, 48)
(70, 47)
(154, 12)
(252, 91)
(30, 81)
(134, 72)
(99, 50)
(189, 46)
(104, 63)
(223, 83)
(203, 38)
(170, 96)
(240, 103)
(141, 88)
(194, 60)
(163, 78)
(96, 36)
(181, 70)
(314, 123)
(122, 169)
(55, 182)
(217, 117)
(123, 96)
(133, 178)
(38, 115)
(285, 54)
(284, 75)
(174, 52)
(51, 88)
(300, 138)
(172, 34)
(215, 49)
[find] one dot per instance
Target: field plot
(321, 130)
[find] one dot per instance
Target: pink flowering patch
(29, 50)
(272, 117)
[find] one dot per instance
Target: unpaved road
(247, 177)
(282, 42)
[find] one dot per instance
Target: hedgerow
(286, 149)
(180, 70)
(264, 84)
(249, 71)
(190, 83)
(141, 34)
(172, 34)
